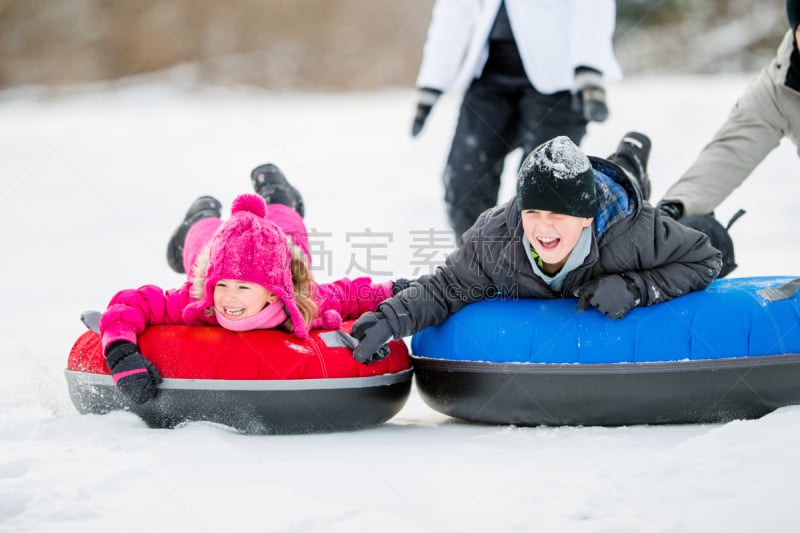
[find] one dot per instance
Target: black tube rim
(434, 364)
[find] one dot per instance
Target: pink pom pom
(252, 203)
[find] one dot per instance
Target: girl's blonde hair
(302, 281)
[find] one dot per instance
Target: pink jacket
(132, 310)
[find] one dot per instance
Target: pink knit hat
(248, 247)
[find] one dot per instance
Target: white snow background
(94, 182)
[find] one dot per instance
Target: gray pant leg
(757, 123)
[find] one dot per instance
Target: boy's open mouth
(548, 243)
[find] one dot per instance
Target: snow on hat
(558, 177)
(248, 247)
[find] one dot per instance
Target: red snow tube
(261, 381)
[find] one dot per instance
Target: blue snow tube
(730, 351)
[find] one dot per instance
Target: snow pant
(494, 120)
(767, 111)
(764, 114)
(202, 231)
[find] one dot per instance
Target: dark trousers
(495, 119)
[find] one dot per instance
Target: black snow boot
(202, 207)
(270, 183)
(633, 152)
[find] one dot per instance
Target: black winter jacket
(664, 258)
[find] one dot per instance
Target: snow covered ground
(93, 183)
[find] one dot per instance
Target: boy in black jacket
(578, 227)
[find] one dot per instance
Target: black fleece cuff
(633, 286)
(118, 350)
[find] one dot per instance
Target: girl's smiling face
(553, 236)
(236, 299)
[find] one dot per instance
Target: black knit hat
(557, 177)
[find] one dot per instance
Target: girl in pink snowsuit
(249, 272)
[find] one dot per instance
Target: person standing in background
(532, 71)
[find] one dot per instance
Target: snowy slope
(94, 182)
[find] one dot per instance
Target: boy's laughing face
(553, 236)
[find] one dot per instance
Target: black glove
(612, 295)
(589, 95)
(425, 101)
(372, 331)
(400, 284)
(135, 376)
(671, 209)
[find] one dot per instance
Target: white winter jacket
(553, 37)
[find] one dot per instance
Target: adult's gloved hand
(373, 332)
(612, 295)
(135, 376)
(426, 98)
(671, 209)
(589, 94)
